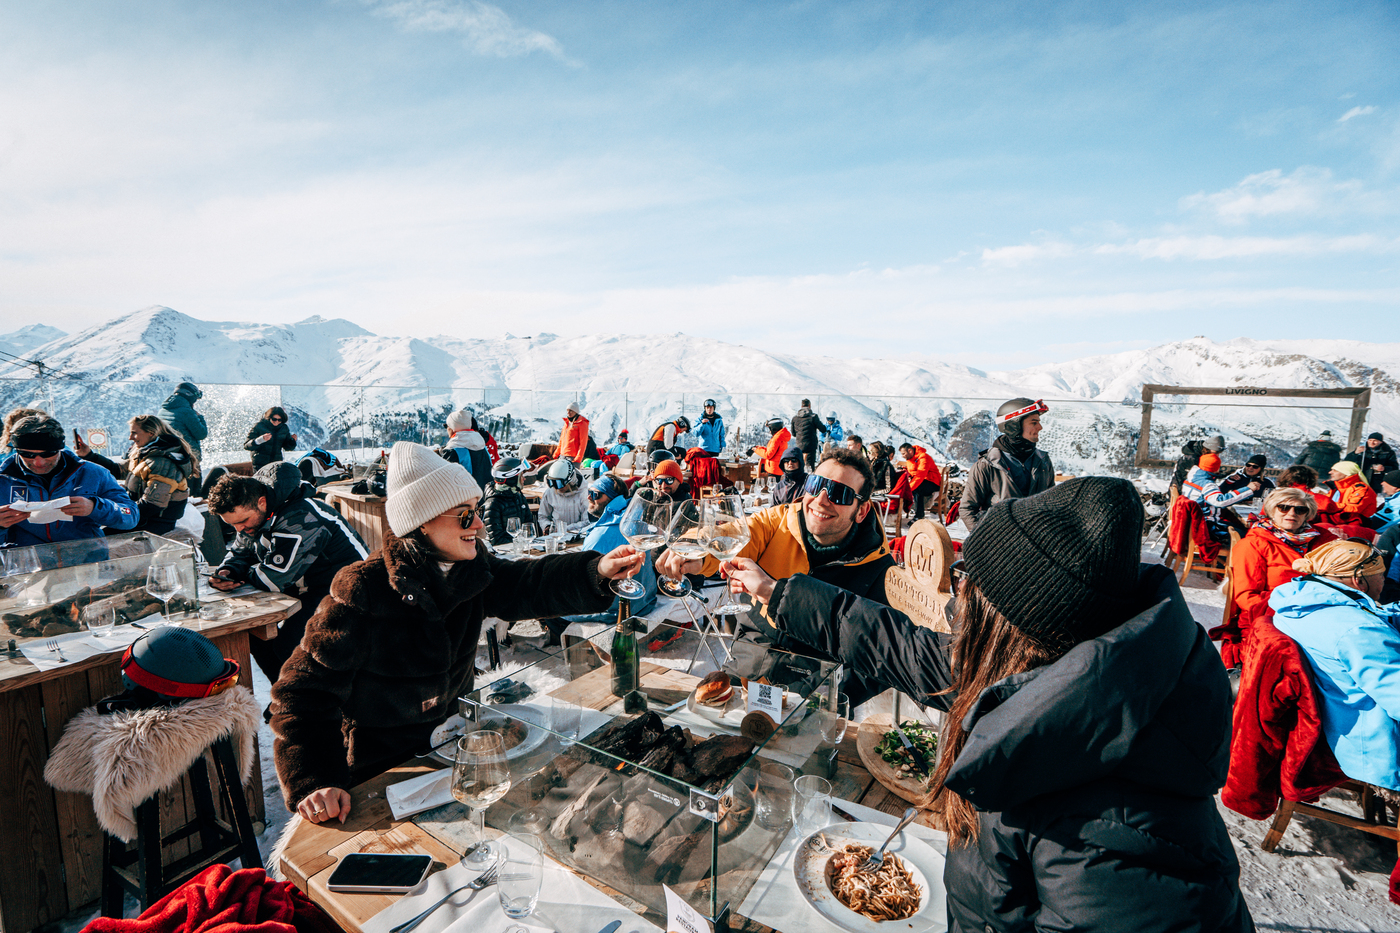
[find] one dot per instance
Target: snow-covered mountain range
(347, 387)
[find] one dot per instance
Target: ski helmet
(831, 417)
(177, 662)
(508, 468)
(1010, 414)
(709, 403)
(774, 425)
(683, 424)
(563, 474)
(658, 455)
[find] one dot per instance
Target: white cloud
(1355, 112)
(1245, 247)
(1307, 190)
(1027, 252)
(486, 29)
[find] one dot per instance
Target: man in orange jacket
(771, 454)
(573, 440)
(924, 477)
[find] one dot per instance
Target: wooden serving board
(871, 732)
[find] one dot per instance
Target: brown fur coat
(121, 759)
(393, 646)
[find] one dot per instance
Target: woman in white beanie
(391, 648)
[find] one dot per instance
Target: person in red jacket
(924, 478)
(1264, 559)
(1355, 498)
(573, 440)
(771, 454)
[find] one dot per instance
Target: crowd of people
(1088, 715)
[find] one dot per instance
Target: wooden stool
(142, 870)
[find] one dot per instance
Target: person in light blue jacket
(1388, 510)
(710, 429)
(1352, 643)
(40, 469)
(835, 434)
(607, 499)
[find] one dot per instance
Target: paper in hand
(42, 513)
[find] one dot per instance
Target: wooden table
(50, 842)
(311, 853)
(364, 513)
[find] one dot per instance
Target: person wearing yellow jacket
(831, 533)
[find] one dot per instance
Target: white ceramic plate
(533, 717)
(731, 712)
(925, 864)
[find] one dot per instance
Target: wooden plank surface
(31, 858)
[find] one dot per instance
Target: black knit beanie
(1061, 566)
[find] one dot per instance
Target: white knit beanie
(459, 420)
(421, 486)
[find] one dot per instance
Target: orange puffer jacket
(1259, 563)
(573, 440)
(772, 452)
(921, 467)
(1355, 498)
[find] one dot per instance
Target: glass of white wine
(724, 531)
(683, 537)
(643, 524)
(480, 777)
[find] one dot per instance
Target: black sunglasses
(37, 454)
(1285, 507)
(666, 480)
(838, 493)
(467, 515)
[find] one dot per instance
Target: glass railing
(359, 421)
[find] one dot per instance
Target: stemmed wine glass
(683, 537)
(643, 524)
(724, 531)
(163, 582)
(513, 529)
(525, 539)
(480, 777)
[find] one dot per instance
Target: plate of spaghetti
(905, 895)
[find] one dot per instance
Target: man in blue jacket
(710, 429)
(40, 470)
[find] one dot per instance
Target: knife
(848, 817)
(611, 927)
(920, 762)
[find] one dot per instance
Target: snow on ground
(1321, 878)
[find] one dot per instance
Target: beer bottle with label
(625, 679)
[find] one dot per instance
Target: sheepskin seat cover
(123, 759)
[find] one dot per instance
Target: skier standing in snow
(1013, 467)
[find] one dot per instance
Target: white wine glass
(725, 531)
(480, 777)
(643, 524)
(512, 530)
(683, 538)
(163, 582)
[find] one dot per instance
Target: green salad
(892, 751)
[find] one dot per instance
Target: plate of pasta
(905, 895)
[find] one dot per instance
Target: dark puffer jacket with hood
(788, 488)
(1094, 775)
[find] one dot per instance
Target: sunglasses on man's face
(666, 481)
(838, 493)
(38, 454)
(467, 515)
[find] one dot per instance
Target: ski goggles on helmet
(838, 493)
(557, 482)
(1034, 408)
(134, 672)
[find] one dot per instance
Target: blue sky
(999, 184)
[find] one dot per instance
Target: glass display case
(53, 589)
(659, 787)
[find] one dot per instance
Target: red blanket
(704, 470)
(1186, 515)
(221, 900)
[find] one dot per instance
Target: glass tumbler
(521, 874)
(811, 805)
(773, 796)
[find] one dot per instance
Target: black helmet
(775, 424)
(1010, 413)
(508, 468)
(658, 455)
(190, 391)
(177, 662)
(683, 423)
(709, 403)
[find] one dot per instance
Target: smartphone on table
(379, 872)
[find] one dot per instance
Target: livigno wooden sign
(924, 585)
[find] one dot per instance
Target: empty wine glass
(163, 582)
(643, 524)
(18, 567)
(683, 537)
(525, 538)
(101, 618)
(480, 777)
(724, 531)
(513, 529)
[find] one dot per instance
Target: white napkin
(41, 513)
(420, 793)
(774, 899)
(73, 647)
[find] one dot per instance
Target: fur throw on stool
(124, 758)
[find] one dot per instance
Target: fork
(53, 646)
(873, 863)
(487, 877)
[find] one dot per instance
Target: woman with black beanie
(1013, 467)
(1088, 724)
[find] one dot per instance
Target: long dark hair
(987, 649)
(153, 424)
(278, 411)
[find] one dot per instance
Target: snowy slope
(20, 342)
(344, 384)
